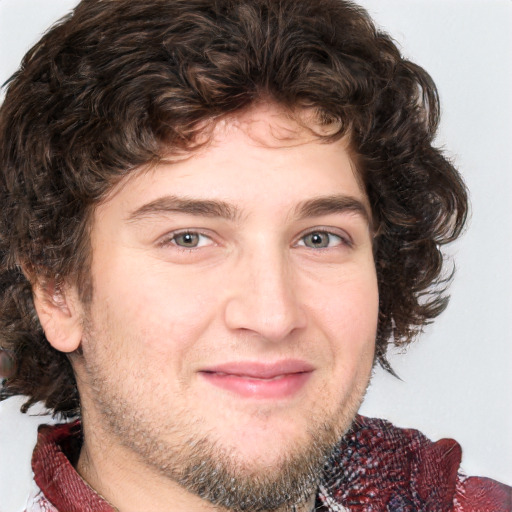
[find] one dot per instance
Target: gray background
(457, 379)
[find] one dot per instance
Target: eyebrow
(174, 204)
(315, 207)
(338, 203)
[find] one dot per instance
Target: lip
(251, 379)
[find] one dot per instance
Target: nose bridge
(264, 295)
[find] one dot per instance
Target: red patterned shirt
(377, 468)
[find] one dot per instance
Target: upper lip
(260, 370)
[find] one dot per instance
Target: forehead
(262, 153)
(270, 125)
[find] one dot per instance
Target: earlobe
(60, 316)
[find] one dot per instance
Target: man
(215, 218)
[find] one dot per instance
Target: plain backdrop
(457, 379)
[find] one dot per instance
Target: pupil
(318, 240)
(189, 239)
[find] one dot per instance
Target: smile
(256, 380)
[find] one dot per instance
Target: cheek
(348, 314)
(147, 309)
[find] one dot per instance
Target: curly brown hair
(118, 84)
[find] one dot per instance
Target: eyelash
(344, 239)
(170, 239)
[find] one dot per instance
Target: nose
(264, 298)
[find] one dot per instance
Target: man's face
(235, 305)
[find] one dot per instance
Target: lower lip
(282, 386)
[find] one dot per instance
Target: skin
(257, 287)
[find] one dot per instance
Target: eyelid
(168, 238)
(330, 230)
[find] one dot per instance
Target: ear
(60, 314)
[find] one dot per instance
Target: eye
(321, 240)
(188, 240)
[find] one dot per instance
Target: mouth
(247, 379)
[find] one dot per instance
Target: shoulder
(478, 494)
(18, 437)
(385, 467)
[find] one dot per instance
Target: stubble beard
(202, 464)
